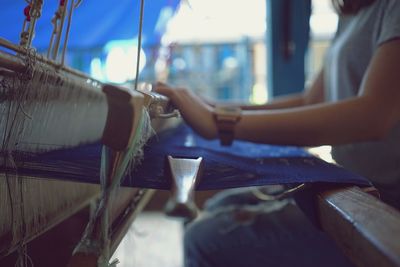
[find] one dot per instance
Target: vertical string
(71, 9)
(139, 42)
(62, 9)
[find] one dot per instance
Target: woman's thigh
(244, 236)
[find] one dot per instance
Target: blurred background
(218, 48)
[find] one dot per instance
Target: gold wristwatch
(226, 118)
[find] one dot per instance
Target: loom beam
(365, 228)
(17, 64)
(122, 118)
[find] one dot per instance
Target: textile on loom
(42, 107)
(243, 164)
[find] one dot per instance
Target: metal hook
(174, 114)
(157, 111)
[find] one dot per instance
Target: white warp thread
(41, 109)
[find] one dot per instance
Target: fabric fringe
(96, 238)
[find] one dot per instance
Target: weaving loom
(58, 123)
(46, 106)
(74, 110)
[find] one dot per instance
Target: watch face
(228, 111)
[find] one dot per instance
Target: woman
(353, 105)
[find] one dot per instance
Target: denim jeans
(237, 230)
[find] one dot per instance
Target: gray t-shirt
(357, 39)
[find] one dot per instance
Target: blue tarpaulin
(94, 23)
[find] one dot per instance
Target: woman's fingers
(174, 94)
(163, 89)
(193, 109)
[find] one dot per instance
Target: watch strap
(226, 119)
(226, 132)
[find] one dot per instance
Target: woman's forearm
(357, 119)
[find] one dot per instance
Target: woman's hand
(197, 113)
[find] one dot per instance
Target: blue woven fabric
(243, 164)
